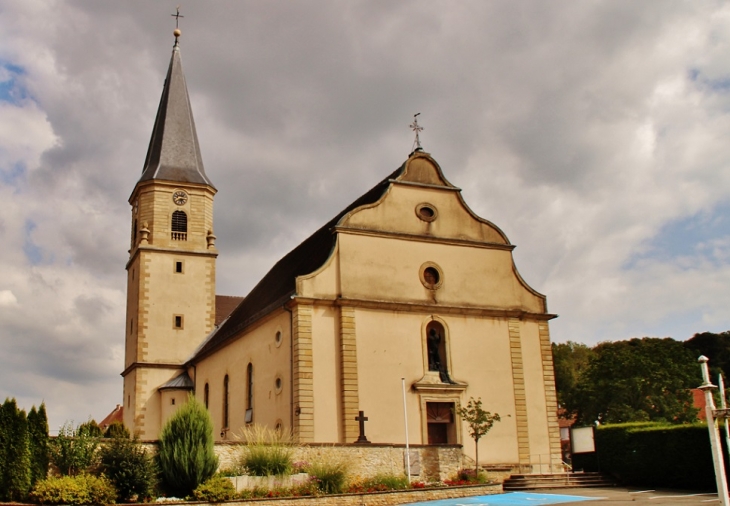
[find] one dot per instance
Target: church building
(405, 287)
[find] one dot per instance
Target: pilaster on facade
(303, 373)
(140, 404)
(551, 398)
(348, 380)
(518, 380)
(143, 307)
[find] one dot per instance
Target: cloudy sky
(594, 133)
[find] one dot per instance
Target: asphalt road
(622, 496)
(585, 496)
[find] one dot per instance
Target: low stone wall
(376, 498)
(428, 463)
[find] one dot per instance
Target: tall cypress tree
(15, 483)
(38, 434)
(5, 430)
(19, 458)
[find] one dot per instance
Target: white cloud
(8, 299)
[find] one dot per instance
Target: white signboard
(582, 440)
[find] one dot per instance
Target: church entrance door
(440, 421)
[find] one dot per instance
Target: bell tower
(171, 267)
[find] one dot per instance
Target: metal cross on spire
(177, 17)
(416, 128)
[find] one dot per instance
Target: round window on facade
(278, 339)
(431, 276)
(278, 384)
(426, 212)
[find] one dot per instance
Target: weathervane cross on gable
(416, 128)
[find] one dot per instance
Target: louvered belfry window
(179, 226)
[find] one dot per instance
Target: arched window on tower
(249, 392)
(206, 395)
(134, 232)
(225, 402)
(179, 226)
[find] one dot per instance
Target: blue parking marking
(510, 499)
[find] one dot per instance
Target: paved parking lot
(587, 496)
(623, 496)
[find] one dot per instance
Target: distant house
(116, 416)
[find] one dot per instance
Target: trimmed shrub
(653, 455)
(129, 467)
(330, 476)
(73, 451)
(186, 457)
(216, 489)
(38, 437)
(73, 490)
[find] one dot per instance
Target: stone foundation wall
(428, 463)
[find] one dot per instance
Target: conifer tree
(186, 456)
(38, 434)
(15, 483)
(5, 431)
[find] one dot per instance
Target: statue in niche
(436, 361)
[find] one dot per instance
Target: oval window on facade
(426, 211)
(431, 276)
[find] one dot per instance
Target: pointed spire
(174, 151)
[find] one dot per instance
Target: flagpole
(405, 418)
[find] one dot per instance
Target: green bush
(267, 452)
(380, 483)
(73, 451)
(129, 467)
(216, 489)
(653, 455)
(330, 476)
(117, 429)
(186, 456)
(90, 428)
(72, 490)
(231, 471)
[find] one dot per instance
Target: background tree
(38, 437)
(716, 347)
(116, 429)
(638, 380)
(186, 456)
(129, 467)
(480, 422)
(570, 360)
(90, 428)
(73, 451)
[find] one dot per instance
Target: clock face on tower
(180, 197)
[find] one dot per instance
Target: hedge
(653, 455)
